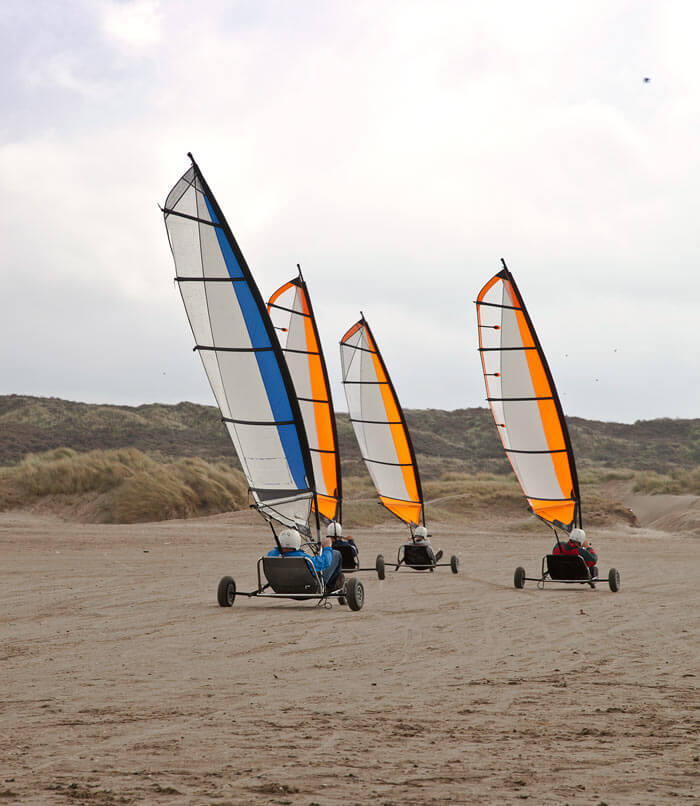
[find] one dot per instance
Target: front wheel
(454, 564)
(355, 594)
(381, 568)
(614, 580)
(519, 577)
(226, 592)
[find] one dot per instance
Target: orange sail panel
(380, 425)
(292, 315)
(525, 404)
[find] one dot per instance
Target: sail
(293, 317)
(380, 425)
(525, 404)
(240, 352)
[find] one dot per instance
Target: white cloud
(136, 23)
(397, 151)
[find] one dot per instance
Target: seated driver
(421, 538)
(328, 563)
(577, 544)
(335, 532)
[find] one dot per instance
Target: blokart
(416, 556)
(569, 570)
(292, 578)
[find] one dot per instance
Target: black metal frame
(545, 576)
(321, 595)
(401, 561)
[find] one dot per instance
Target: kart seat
(567, 566)
(291, 575)
(349, 557)
(417, 554)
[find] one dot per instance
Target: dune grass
(122, 486)
(677, 482)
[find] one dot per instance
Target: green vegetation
(677, 482)
(122, 486)
(152, 462)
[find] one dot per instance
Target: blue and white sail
(240, 352)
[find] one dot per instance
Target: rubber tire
(381, 568)
(226, 592)
(342, 600)
(614, 580)
(355, 594)
(454, 564)
(519, 577)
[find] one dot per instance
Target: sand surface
(122, 681)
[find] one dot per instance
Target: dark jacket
(589, 556)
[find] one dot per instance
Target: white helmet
(421, 532)
(334, 529)
(577, 535)
(289, 539)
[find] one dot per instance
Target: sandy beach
(124, 682)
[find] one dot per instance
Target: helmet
(421, 532)
(334, 529)
(289, 539)
(577, 536)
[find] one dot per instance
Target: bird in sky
(647, 79)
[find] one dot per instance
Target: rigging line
(502, 349)
(210, 279)
(268, 423)
(362, 349)
(301, 352)
(518, 399)
(391, 464)
(289, 310)
(234, 349)
(376, 422)
(321, 450)
(191, 217)
(537, 498)
(369, 383)
(497, 305)
(515, 450)
(313, 400)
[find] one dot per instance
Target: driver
(327, 563)
(335, 532)
(578, 544)
(421, 538)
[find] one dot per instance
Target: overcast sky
(397, 150)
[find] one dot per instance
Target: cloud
(136, 23)
(395, 151)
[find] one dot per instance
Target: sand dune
(124, 682)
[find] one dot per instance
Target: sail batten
(241, 357)
(294, 322)
(380, 426)
(525, 405)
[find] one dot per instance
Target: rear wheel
(381, 569)
(614, 580)
(355, 594)
(454, 564)
(226, 592)
(519, 577)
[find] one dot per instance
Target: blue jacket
(319, 561)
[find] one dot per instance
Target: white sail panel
(293, 317)
(379, 425)
(239, 352)
(524, 403)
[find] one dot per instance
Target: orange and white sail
(380, 425)
(293, 317)
(525, 405)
